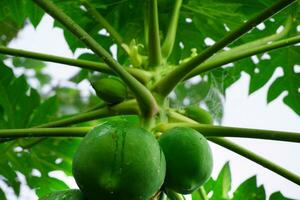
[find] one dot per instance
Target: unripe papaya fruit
(64, 195)
(198, 114)
(110, 89)
(188, 157)
(117, 162)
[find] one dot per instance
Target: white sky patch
(70, 181)
(297, 68)
(226, 27)
(280, 29)
(195, 79)
(266, 56)
(36, 173)
(228, 65)
(209, 42)
(18, 149)
(255, 59)
(272, 19)
(261, 26)
(188, 20)
(82, 8)
(181, 45)
(186, 101)
(113, 50)
(103, 32)
(172, 95)
(58, 161)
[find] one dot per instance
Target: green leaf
(80, 76)
(2, 195)
(249, 187)
(45, 112)
(34, 13)
(278, 196)
(20, 108)
(17, 100)
(223, 184)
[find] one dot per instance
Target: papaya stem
(231, 56)
(140, 74)
(257, 159)
(104, 23)
(202, 193)
(144, 97)
(224, 131)
(267, 39)
(169, 82)
(169, 41)
(173, 195)
(126, 107)
(44, 132)
(153, 35)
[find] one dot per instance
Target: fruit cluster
(117, 161)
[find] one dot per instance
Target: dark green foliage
(221, 187)
(64, 195)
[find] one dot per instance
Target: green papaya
(111, 89)
(198, 114)
(64, 195)
(116, 161)
(188, 158)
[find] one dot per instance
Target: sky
(241, 110)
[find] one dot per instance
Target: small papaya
(117, 161)
(198, 114)
(188, 158)
(110, 89)
(64, 195)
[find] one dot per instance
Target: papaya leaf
(278, 196)
(249, 187)
(33, 158)
(223, 184)
(45, 112)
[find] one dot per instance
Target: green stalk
(44, 132)
(232, 55)
(153, 35)
(223, 131)
(173, 195)
(141, 75)
(202, 193)
(169, 82)
(145, 99)
(267, 39)
(257, 159)
(127, 107)
(146, 24)
(104, 23)
(96, 107)
(169, 41)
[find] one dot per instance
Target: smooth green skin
(188, 157)
(198, 114)
(118, 162)
(64, 195)
(111, 90)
